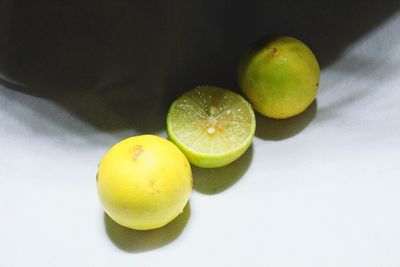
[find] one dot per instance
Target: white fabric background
(321, 189)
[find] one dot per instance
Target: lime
(212, 126)
(279, 76)
(144, 182)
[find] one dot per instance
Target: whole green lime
(279, 76)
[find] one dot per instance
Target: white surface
(327, 195)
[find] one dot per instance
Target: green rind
(282, 84)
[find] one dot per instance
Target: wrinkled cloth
(319, 189)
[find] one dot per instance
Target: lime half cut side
(212, 126)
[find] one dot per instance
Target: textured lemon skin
(144, 182)
(279, 76)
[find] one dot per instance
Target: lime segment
(211, 125)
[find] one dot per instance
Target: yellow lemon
(279, 76)
(144, 182)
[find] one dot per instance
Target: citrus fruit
(212, 126)
(144, 182)
(279, 76)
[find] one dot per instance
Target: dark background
(118, 64)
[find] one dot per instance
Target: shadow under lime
(280, 129)
(216, 180)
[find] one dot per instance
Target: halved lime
(212, 126)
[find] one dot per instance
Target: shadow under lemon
(279, 129)
(136, 241)
(216, 180)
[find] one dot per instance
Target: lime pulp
(211, 125)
